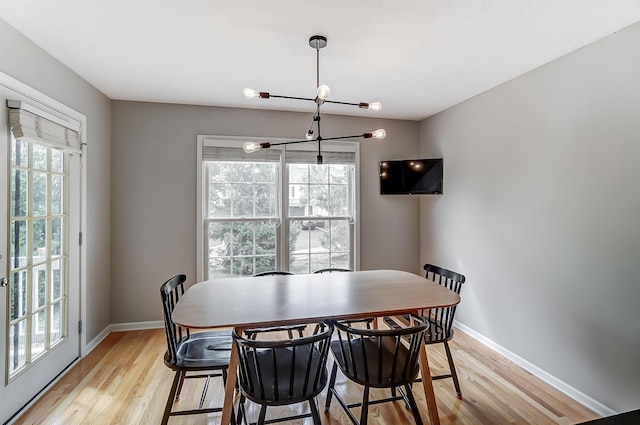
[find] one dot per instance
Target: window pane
(17, 346)
(56, 236)
(219, 200)
(39, 238)
(38, 333)
(56, 194)
(243, 238)
(298, 200)
(340, 260)
(265, 200)
(338, 200)
(39, 285)
(339, 174)
(299, 263)
(18, 291)
(318, 173)
(242, 266)
(319, 199)
(242, 200)
(57, 322)
(56, 160)
(19, 154)
(265, 173)
(19, 194)
(56, 279)
(18, 243)
(265, 240)
(298, 173)
(319, 261)
(242, 172)
(39, 157)
(339, 232)
(39, 193)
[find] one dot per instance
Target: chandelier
(322, 93)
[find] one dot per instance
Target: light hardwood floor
(124, 381)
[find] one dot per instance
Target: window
(247, 226)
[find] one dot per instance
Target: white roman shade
(221, 153)
(27, 122)
(328, 157)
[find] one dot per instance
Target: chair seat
(286, 365)
(204, 350)
(383, 377)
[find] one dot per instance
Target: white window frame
(237, 142)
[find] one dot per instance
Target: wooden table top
(309, 298)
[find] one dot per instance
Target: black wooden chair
(377, 359)
(441, 319)
(254, 332)
(332, 270)
(283, 372)
(204, 353)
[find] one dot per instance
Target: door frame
(55, 105)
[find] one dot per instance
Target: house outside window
(246, 226)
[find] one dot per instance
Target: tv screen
(411, 177)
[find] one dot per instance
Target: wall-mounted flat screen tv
(411, 177)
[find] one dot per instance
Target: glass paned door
(39, 259)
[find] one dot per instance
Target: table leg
(227, 408)
(428, 386)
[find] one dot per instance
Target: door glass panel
(57, 322)
(38, 220)
(38, 334)
(17, 346)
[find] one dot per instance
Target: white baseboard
(119, 327)
(136, 326)
(567, 389)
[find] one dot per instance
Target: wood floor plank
(124, 381)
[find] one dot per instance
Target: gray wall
(541, 212)
(26, 62)
(153, 192)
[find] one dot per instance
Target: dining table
(251, 302)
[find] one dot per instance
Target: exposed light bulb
(250, 93)
(375, 106)
(379, 134)
(249, 147)
(323, 92)
(309, 135)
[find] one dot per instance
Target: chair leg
(452, 367)
(172, 394)
(364, 413)
(263, 414)
(182, 376)
(413, 404)
(204, 391)
(314, 412)
(332, 383)
(242, 414)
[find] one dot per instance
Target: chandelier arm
(356, 136)
(290, 142)
(292, 97)
(343, 103)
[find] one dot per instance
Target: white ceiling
(417, 57)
